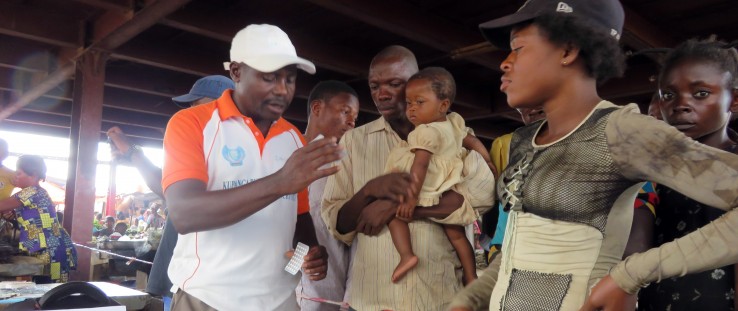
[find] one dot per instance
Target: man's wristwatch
(131, 149)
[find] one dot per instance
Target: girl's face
(531, 70)
(423, 106)
(23, 180)
(697, 98)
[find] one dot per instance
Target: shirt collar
(226, 107)
(379, 125)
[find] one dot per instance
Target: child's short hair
(325, 90)
(120, 224)
(710, 50)
(32, 165)
(442, 82)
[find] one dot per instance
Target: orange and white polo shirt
(241, 266)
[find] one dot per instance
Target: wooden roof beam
(116, 36)
(407, 21)
(336, 58)
(153, 102)
(119, 6)
(346, 61)
(640, 34)
(638, 80)
(160, 57)
(110, 114)
(341, 59)
(40, 118)
(24, 22)
(57, 131)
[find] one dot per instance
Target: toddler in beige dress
(433, 156)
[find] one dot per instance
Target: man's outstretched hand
(304, 165)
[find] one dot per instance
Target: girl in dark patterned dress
(41, 234)
(698, 86)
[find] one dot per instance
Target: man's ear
(235, 70)
(316, 106)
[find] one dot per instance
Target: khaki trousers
(185, 302)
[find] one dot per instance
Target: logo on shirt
(229, 184)
(234, 156)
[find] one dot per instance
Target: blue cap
(210, 86)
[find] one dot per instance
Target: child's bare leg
(401, 238)
(457, 237)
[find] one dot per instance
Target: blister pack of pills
(297, 259)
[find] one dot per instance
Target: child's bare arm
(471, 142)
(418, 171)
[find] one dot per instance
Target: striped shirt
(435, 280)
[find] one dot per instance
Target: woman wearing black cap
(571, 179)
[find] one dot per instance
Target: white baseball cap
(265, 48)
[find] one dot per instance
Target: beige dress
(443, 140)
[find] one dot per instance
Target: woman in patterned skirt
(41, 234)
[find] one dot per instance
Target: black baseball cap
(607, 14)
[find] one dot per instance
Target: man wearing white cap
(203, 91)
(235, 178)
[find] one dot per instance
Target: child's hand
(406, 210)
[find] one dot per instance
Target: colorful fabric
(500, 151)
(713, 289)
(493, 224)
(96, 225)
(41, 234)
(647, 198)
(6, 182)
